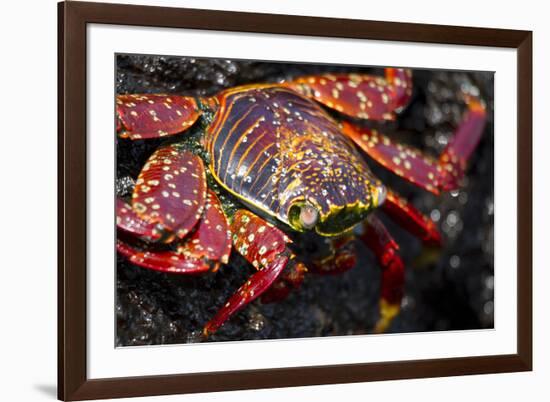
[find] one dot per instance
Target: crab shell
(283, 155)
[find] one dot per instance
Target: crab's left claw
(265, 247)
(359, 95)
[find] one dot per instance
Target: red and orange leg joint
(386, 250)
(153, 116)
(265, 247)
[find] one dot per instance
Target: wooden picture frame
(73, 17)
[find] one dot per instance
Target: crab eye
(303, 216)
(380, 195)
(308, 216)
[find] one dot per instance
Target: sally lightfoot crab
(277, 151)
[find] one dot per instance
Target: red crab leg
(153, 116)
(409, 163)
(405, 161)
(209, 243)
(163, 261)
(359, 95)
(265, 247)
(411, 219)
(456, 154)
(171, 190)
(129, 221)
(386, 250)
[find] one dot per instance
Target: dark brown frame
(73, 383)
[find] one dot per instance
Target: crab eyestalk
(379, 194)
(303, 216)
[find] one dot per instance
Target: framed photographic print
(254, 200)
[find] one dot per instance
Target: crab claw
(209, 243)
(153, 116)
(359, 95)
(265, 247)
(171, 190)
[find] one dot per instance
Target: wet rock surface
(449, 289)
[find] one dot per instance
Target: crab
(266, 163)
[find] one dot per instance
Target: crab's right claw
(153, 116)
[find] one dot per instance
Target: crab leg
(163, 261)
(209, 243)
(265, 247)
(153, 116)
(456, 154)
(359, 95)
(434, 175)
(386, 250)
(411, 219)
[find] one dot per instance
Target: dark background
(451, 289)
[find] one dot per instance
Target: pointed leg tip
(388, 312)
(206, 332)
